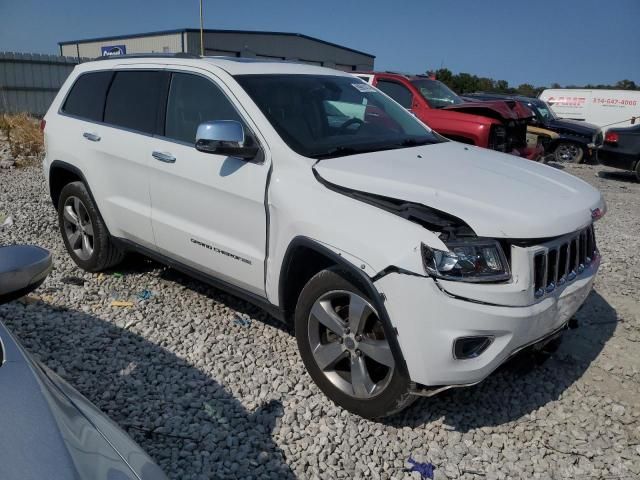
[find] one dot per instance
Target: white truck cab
(407, 263)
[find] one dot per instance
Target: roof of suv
(408, 76)
(232, 65)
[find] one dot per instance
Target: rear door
(116, 113)
(208, 209)
(131, 119)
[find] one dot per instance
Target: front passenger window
(192, 100)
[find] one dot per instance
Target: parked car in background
(621, 149)
(535, 135)
(49, 430)
(604, 108)
(407, 263)
(498, 125)
(577, 141)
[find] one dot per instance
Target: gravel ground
(213, 388)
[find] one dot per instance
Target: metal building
(234, 43)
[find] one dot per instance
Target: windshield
(436, 93)
(543, 112)
(322, 116)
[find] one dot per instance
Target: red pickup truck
(499, 125)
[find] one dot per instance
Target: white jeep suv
(407, 263)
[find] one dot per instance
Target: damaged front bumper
(428, 321)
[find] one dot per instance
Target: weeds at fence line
(22, 133)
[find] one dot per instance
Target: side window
(399, 93)
(86, 98)
(192, 100)
(133, 99)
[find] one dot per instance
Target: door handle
(164, 157)
(91, 136)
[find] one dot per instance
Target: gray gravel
(213, 388)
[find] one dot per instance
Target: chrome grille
(564, 261)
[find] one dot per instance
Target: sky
(541, 42)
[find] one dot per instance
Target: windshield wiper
(344, 151)
(336, 152)
(412, 142)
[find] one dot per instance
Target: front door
(207, 210)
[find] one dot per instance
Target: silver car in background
(48, 430)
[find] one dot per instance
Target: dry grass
(23, 134)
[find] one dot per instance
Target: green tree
(486, 84)
(626, 85)
(527, 90)
(444, 75)
(465, 83)
(502, 86)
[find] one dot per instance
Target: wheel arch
(294, 275)
(62, 173)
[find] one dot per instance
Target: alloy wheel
(349, 345)
(567, 153)
(78, 227)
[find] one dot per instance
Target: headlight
(476, 261)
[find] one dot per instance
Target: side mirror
(225, 137)
(23, 268)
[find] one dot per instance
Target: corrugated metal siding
(344, 68)
(192, 45)
(157, 43)
(68, 50)
(279, 46)
(220, 53)
(29, 82)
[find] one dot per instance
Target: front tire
(638, 170)
(567, 152)
(345, 348)
(84, 233)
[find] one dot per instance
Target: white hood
(497, 195)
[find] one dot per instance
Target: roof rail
(148, 55)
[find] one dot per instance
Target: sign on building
(110, 50)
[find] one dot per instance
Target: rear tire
(84, 233)
(638, 170)
(344, 347)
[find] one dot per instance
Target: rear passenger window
(86, 98)
(399, 93)
(192, 100)
(133, 100)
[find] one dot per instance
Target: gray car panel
(49, 430)
(31, 444)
